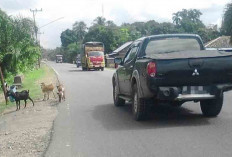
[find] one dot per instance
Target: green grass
(31, 82)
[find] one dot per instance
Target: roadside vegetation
(19, 52)
(31, 82)
(112, 35)
(227, 21)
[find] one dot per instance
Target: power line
(51, 22)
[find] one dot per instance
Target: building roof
(122, 47)
(220, 42)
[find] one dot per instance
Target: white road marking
(52, 68)
(56, 71)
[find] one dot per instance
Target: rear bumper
(177, 93)
(99, 65)
(190, 97)
(96, 67)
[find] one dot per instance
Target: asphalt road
(88, 124)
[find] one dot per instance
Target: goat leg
(48, 95)
(25, 103)
(44, 97)
(19, 104)
(31, 100)
(54, 94)
(16, 105)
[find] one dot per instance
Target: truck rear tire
(102, 69)
(211, 108)
(83, 69)
(139, 106)
(117, 101)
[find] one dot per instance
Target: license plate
(194, 90)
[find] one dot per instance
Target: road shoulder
(27, 132)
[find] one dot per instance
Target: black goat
(23, 95)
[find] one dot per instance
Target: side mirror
(118, 61)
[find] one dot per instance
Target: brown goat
(61, 92)
(47, 89)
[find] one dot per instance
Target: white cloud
(119, 11)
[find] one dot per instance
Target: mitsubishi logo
(195, 73)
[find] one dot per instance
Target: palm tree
(227, 20)
(176, 18)
(100, 21)
(79, 28)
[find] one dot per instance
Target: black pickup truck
(173, 69)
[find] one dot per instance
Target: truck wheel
(117, 101)
(139, 106)
(211, 108)
(102, 69)
(83, 69)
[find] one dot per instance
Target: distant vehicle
(92, 56)
(59, 58)
(173, 69)
(78, 62)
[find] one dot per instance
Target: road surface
(88, 124)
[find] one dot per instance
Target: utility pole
(35, 29)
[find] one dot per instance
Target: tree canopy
(227, 21)
(18, 49)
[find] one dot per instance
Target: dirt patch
(26, 133)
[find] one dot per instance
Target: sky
(119, 11)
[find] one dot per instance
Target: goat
(23, 95)
(46, 89)
(61, 92)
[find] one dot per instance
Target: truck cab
(59, 58)
(93, 56)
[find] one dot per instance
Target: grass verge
(32, 82)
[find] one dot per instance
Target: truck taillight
(151, 69)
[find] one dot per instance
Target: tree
(140, 27)
(110, 24)
(79, 29)
(19, 52)
(100, 21)
(227, 21)
(188, 20)
(67, 37)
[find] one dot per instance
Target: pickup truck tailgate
(204, 70)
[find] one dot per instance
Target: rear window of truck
(95, 54)
(169, 45)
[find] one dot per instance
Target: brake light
(151, 69)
